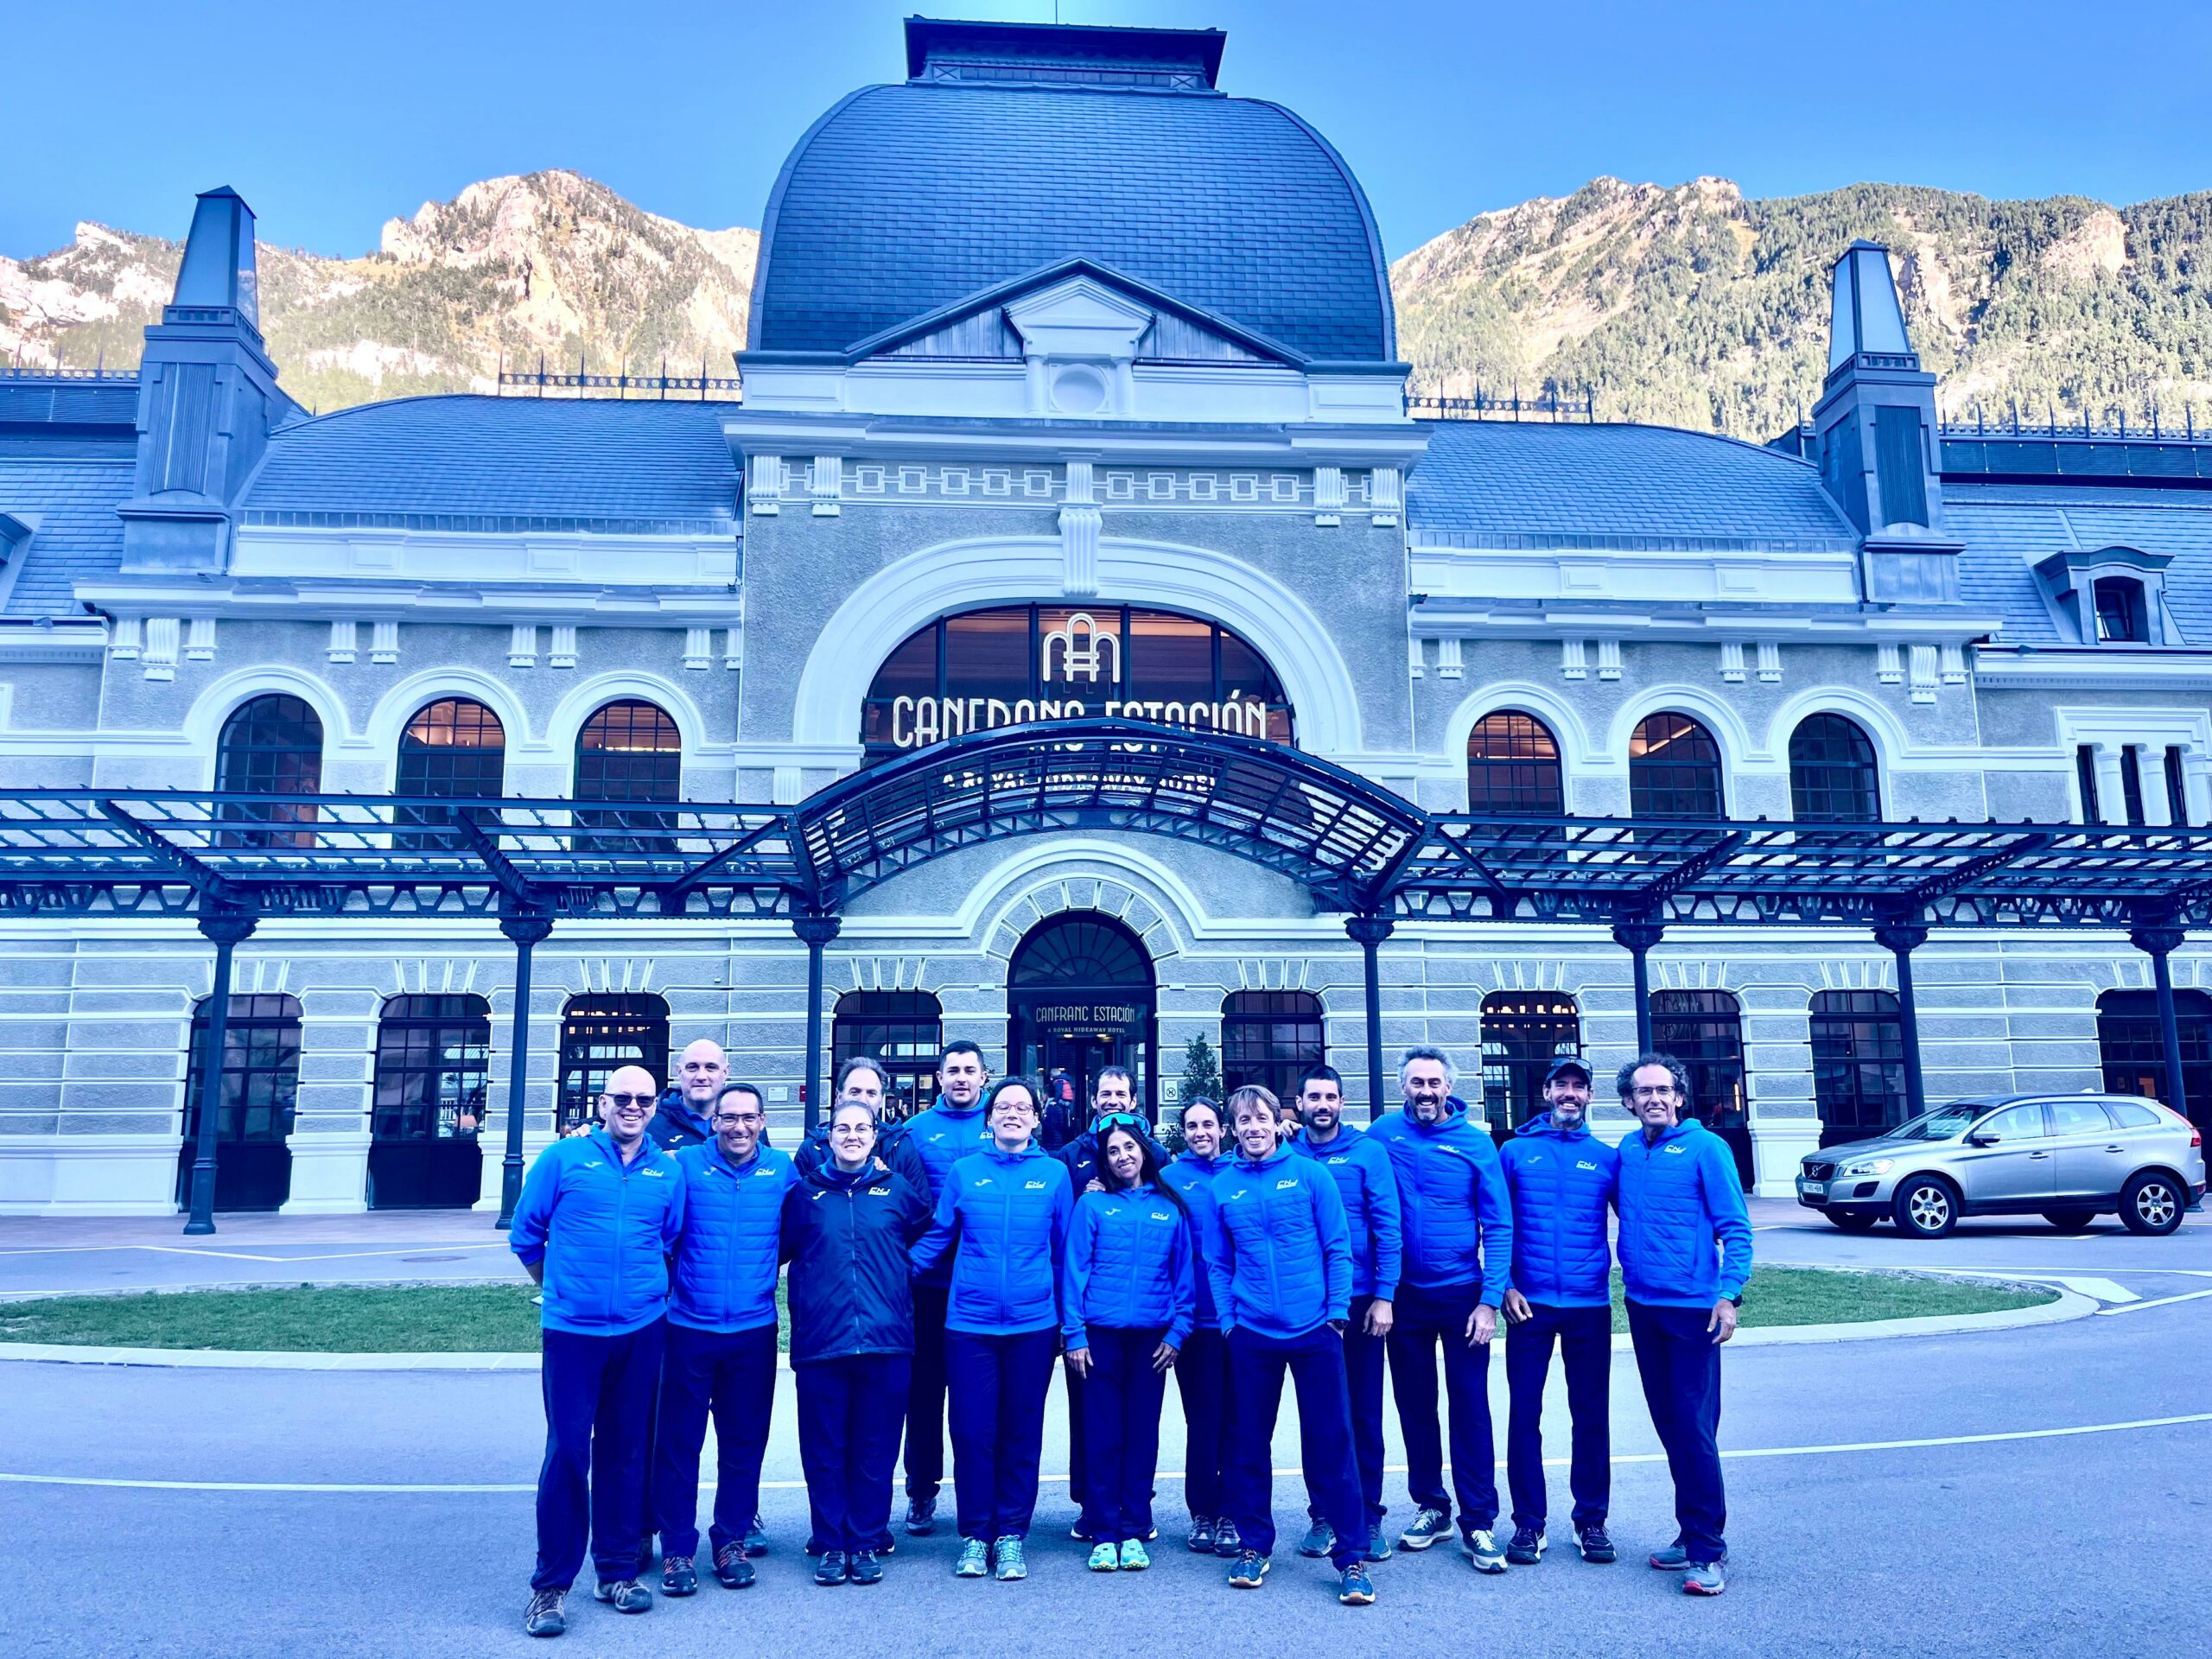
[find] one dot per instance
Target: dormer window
(2109, 596)
(2121, 615)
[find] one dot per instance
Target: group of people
(953, 1259)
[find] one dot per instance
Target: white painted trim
(587, 697)
(1521, 696)
(203, 723)
(403, 700)
(1737, 752)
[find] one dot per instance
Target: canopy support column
(1901, 938)
(1369, 932)
(227, 929)
(526, 929)
(817, 931)
(1636, 936)
(2158, 940)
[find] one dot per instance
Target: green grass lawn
(502, 1319)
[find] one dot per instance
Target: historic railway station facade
(1072, 394)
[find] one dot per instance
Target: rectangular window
(2131, 781)
(1898, 466)
(2085, 779)
(2176, 788)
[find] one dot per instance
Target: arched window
(1674, 769)
(1523, 1032)
(432, 1082)
(1270, 1038)
(1513, 766)
(1081, 997)
(453, 748)
(2122, 617)
(1834, 778)
(599, 1034)
(1857, 1063)
(261, 1083)
(1704, 1031)
(903, 1030)
(2133, 1051)
(628, 751)
(270, 746)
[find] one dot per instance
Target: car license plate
(1813, 1189)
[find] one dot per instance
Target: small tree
(1201, 1081)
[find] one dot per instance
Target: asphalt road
(1844, 1541)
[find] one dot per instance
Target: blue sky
(330, 119)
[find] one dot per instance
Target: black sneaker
(1250, 1571)
(1320, 1538)
(732, 1568)
(1085, 1531)
(756, 1538)
(1200, 1542)
(1356, 1589)
(547, 1614)
(862, 1568)
(1596, 1548)
(624, 1596)
(831, 1568)
(678, 1577)
(921, 1517)
(1526, 1547)
(1226, 1540)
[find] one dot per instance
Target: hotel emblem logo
(1088, 658)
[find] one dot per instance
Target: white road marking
(508, 1487)
(2156, 1301)
(2104, 1290)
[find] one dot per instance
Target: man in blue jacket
(934, 1140)
(1459, 1243)
(598, 1215)
(1280, 1255)
(722, 1340)
(1685, 1256)
(1562, 1180)
(682, 1121)
(1370, 1189)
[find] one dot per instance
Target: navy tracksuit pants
(732, 1374)
(1425, 1317)
(848, 1441)
(1079, 1474)
(1680, 1363)
(1121, 1398)
(925, 1453)
(1363, 1384)
(599, 1399)
(1584, 1337)
(1202, 1379)
(997, 1386)
(1316, 1363)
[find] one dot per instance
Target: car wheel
(1854, 1223)
(2152, 1204)
(2069, 1221)
(1927, 1206)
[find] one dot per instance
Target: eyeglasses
(1663, 1091)
(738, 1118)
(619, 1101)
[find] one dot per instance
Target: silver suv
(2066, 1158)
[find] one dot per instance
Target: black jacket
(1081, 1156)
(846, 1238)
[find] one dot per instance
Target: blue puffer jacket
(1561, 1182)
(939, 1138)
(1679, 1196)
(603, 1230)
(676, 1125)
(1081, 1156)
(847, 1238)
(1192, 1177)
(726, 1260)
(1009, 1212)
(1129, 1267)
(1279, 1251)
(1458, 1223)
(1369, 1186)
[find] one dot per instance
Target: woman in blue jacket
(846, 1228)
(1130, 1300)
(1007, 1207)
(1202, 1371)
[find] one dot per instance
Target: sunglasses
(1120, 1121)
(620, 1101)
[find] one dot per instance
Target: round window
(1078, 389)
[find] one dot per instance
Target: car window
(2079, 1117)
(2132, 1116)
(2017, 1123)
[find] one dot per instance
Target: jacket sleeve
(1183, 1286)
(1221, 1267)
(533, 1216)
(1335, 1243)
(1386, 1220)
(943, 1226)
(787, 1225)
(1506, 1165)
(1725, 1209)
(1074, 1278)
(1494, 1215)
(1063, 1223)
(671, 1223)
(906, 1159)
(914, 1207)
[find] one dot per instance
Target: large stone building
(1072, 389)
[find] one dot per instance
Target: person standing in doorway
(938, 1137)
(1202, 1369)
(1369, 1187)
(597, 1217)
(1008, 1209)
(1686, 1256)
(1563, 1181)
(1459, 1244)
(1280, 1259)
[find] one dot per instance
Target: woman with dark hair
(1202, 1369)
(1130, 1300)
(1007, 1207)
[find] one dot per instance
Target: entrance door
(1080, 999)
(431, 1081)
(261, 1081)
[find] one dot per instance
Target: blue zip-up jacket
(1129, 1267)
(725, 1265)
(1009, 1212)
(1280, 1250)
(1458, 1220)
(941, 1137)
(1369, 1186)
(676, 1125)
(603, 1230)
(1679, 1197)
(847, 1238)
(1561, 1182)
(1081, 1156)
(1192, 1176)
